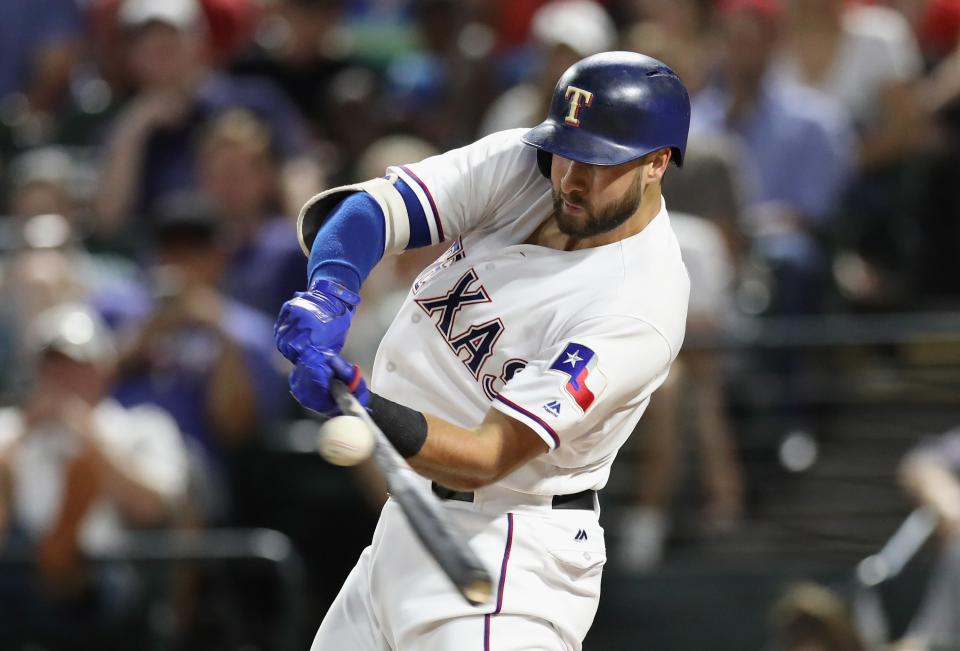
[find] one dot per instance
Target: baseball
(345, 441)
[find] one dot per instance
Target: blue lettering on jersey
(473, 346)
(492, 384)
(477, 341)
(453, 301)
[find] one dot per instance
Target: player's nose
(574, 177)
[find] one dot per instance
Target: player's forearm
(349, 244)
(458, 458)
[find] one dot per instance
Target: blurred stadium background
(156, 485)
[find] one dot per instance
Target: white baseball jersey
(570, 343)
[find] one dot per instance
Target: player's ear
(658, 160)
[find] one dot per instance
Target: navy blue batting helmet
(611, 108)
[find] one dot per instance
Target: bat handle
(347, 402)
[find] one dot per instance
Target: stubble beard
(596, 222)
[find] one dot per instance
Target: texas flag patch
(585, 381)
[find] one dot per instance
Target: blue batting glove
(311, 378)
(319, 318)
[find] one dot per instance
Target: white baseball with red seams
(571, 343)
(345, 441)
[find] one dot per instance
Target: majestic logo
(577, 97)
(584, 380)
(581, 535)
(553, 407)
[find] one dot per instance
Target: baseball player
(519, 362)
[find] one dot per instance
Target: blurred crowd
(154, 155)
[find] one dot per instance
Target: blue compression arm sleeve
(350, 242)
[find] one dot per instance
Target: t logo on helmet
(577, 97)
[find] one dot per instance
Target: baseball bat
(903, 545)
(868, 612)
(438, 534)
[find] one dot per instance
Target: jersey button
(490, 266)
(391, 367)
(415, 318)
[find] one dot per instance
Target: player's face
(592, 199)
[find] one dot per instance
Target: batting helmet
(611, 108)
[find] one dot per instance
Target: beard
(596, 221)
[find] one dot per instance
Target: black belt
(582, 500)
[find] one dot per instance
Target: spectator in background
(563, 32)
(930, 474)
(76, 469)
(40, 41)
(692, 400)
(230, 29)
(300, 45)
(797, 146)
(239, 177)
(867, 58)
(679, 33)
(711, 183)
(40, 183)
(440, 91)
(864, 56)
(151, 152)
(48, 229)
(44, 259)
(199, 354)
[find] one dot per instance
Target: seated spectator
(796, 142)
(151, 152)
(76, 469)
(238, 175)
(930, 474)
(201, 355)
